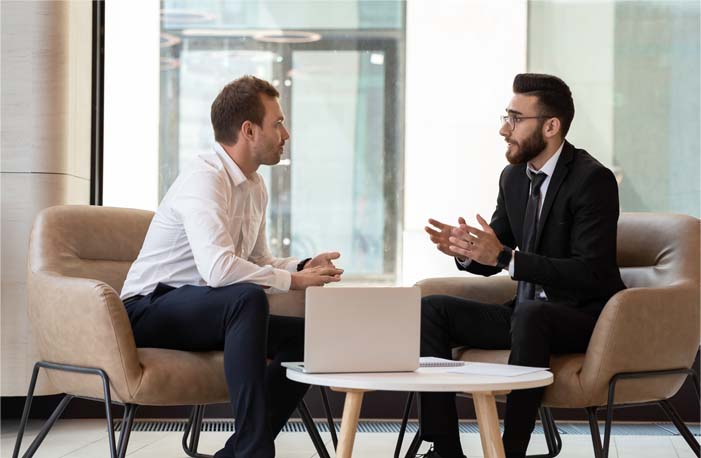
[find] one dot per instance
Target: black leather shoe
(432, 454)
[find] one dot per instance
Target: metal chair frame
(193, 428)
(552, 435)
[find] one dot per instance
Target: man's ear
(247, 131)
(551, 127)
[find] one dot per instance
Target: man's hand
(322, 260)
(315, 276)
(440, 235)
(482, 246)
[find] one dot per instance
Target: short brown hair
(238, 102)
(554, 96)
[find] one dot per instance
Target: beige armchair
(645, 340)
(78, 259)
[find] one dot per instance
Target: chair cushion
(566, 391)
(172, 377)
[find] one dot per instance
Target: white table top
(424, 379)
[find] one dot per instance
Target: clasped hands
(317, 271)
(466, 242)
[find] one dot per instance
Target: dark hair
(239, 101)
(554, 96)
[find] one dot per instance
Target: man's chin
(514, 157)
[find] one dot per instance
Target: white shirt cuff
(281, 283)
(511, 264)
(292, 265)
(464, 263)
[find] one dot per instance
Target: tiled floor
(88, 439)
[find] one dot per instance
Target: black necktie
(526, 290)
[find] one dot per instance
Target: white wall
(46, 97)
(461, 60)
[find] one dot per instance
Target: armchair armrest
(490, 290)
(287, 304)
(83, 322)
(643, 329)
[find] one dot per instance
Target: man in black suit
(557, 205)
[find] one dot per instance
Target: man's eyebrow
(510, 111)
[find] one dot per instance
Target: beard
(528, 148)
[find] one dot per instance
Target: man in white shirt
(559, 206)
(201, 278)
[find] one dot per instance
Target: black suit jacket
(575, 251)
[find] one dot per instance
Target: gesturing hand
(482, 246)
(315, 276)
(323, 260)
(440, 235)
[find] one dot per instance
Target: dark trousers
(235, 319)
(533, 330)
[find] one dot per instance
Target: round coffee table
(482, 389)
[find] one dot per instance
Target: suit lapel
(561, 170)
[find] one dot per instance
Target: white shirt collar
(235, 173)
(549, 167)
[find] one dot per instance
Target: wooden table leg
(349, 422)
(488, 421)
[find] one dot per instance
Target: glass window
(634, 70)
(339, 69)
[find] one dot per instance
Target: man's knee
(528, 318)
(247, 302)
(432, 307)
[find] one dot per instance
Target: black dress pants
(236, 319)
(533, 330)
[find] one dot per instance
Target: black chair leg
(609, 417)
(558, 439)
(197, 431)
(311, 430)
(31, 450)
(329, 416)
(595, 434)
(673, 415)
(554, 432)
(552, 436)
(25, 412)
(418, 438)
(405, 421)
(127, 423)
(191, 436)
(414, 446)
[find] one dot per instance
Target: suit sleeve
(593, 240)
(502, 228)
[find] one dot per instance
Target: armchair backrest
(656, 250)
(79, 257)
(88, 241)
(654, 324)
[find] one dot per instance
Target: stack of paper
(500, 370)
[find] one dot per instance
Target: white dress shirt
(209, 230)
(548, 169)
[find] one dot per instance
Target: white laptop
(361, 330)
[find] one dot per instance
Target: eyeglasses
(512, 120)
